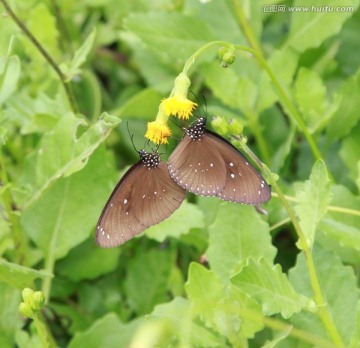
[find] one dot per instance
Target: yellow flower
(179, 106)
(157, 132)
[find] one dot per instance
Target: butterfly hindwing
(243, 184)
(192, 168)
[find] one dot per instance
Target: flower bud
(26, 293)
(26, 310)
(37, 300)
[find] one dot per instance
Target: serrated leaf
(188, 216)
(312, 23)
(219, 308)
(171, 34)
(20, 276)
(339, 285)
(153, 270)
(313, 197)
(268, 285)
(66, 213)
(347, 115)
(54, 161)
(237, 234)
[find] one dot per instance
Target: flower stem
(46, 55)
(43, 331)
(319, 297)
(245, 27)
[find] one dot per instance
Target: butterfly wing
(133, 206)
(243, 184)
(157, 196)
(197, 166)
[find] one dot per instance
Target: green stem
(43, 331)
(260, 140)
(319, 297)
(46, 55)
(286, 101)
(246, 28)
(278, 325)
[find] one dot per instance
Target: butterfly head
(197, 129)
(150, 160)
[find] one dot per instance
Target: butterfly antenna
(131, 137)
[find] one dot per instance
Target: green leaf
(347, 114)
(142, 105)
(268, 285)
(310, 95)
(205, 303)
(20, 276)
(83, 262)
(313, 22)
(188, 216)
(349, 152)
(224, 27)
(283, 63)
(171, 34)
(54, 161)
(151, 269)
(313, 197)
(10, 321)
(222, 310)
(177, 315)
(66, 213)
(339, 285)
(106, 332)
(9, 75)
(38, 18)
(237, 233)
(339, 230)
(80, 56)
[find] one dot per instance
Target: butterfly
(144, 196)
(206, 164)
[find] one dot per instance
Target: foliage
(215, 274)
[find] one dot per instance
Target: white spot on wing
(125, 201)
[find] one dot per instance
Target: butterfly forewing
(133, 205)
(192, 168)
(243, 183)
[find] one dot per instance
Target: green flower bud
(227, 56)
(37, 300)
(221, 52)
(26, 293)
(220, 125)
(26, 310)
(235, 126)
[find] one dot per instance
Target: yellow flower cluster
(176, 105)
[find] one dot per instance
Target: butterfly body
(206, 164)
(144, 196)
